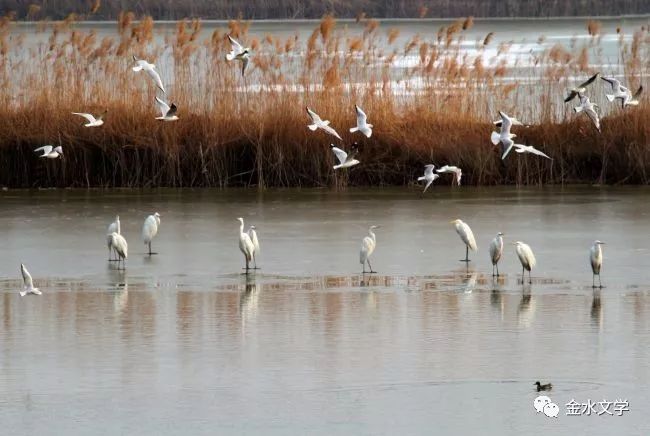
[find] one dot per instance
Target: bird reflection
(597, 310)
(470, 281)
(121, 297)
(526, 309)
(248, 300)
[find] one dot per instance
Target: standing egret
(596, 258)
(245, 244)
(114, 227)
(150, 229)
(121, 248)
(466, 236)
(28, 284)
(527, 259)
(496, 250)
(256, 244)
(367, 247)
(428, 176)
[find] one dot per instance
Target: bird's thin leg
(149, 248)
(466, 253)
(364, 268)
(255, 262)
(523, 274)
(530, 279)
(371, 271)
(492, 270)
(593, 280)
(600, 284)
(497, 265)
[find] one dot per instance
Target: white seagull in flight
(519, 148)
(50, 152)
(581, 89)
(345, 160)
(150, 69)
(362, 123)
(318, 123)
(429, 176)
(92, 121)
(504, 136)
(28, 284)
(452, 169)
(622, 93)
(168, 113)
(238, 52)
(590, 109)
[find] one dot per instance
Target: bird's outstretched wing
(172, 110)
(638, 92)
(361, 116)
(27, 277)
(353, 153)
(89, 117)
(593, 116)
(162, 106)
(340, 154)
(315, 118)
(428, 170)
(507, 146)
(235, 44)
(244, 64)
(571, 96)
(46, 149)
(589, 81)
(612, 81)
(156, 77)
(506, 122)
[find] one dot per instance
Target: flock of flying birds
(248, 240)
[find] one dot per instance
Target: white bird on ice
(118, 243)
(238, 52)
(256, 244)
(150, 69)
(113, 227)
(318, 123)
(526, 257)
(622, 93)
(28, 284)
(50, 152)
(429, 176)
(520, 148)
(496, 251)
(346, 160)
(368, 245)
(245, 244)
(466, 236)
(92, 121)
(150, 229)
(362, 123)
(590, 109)
(596, 259)
(168, 113)
(581, 89)
(452, 169)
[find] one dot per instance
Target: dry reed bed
(233, 135)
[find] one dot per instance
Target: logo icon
(546, 405)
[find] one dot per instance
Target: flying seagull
(92, 121)
(622, 93)
(452, 169)
(318, 123)
(520, 148)
(345, 160)
(150, 69)
(590, 109)
(238, 52)
(581, 88)
(429, 176)
(168, 113)
(362, 123)
(50, 152)
(28, 284)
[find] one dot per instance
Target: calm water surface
(183, 343)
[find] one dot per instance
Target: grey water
(183, 342)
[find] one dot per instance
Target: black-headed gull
(505, 124)
(581, 89)
(318, 123)
(429, 176)
(238, 52)
(168, 113)
(50, 151)
(150, 69)
(92, 121)
(345, 160)
(520, 148)
(362, 123)
(590, 109)
(452, 169)
(28, 284)
(622, 93)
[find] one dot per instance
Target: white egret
(496, 250)
(596, 259)
(113, 227)
(466, 236)
(622, 93)
(318, 123)
(245, 244)
(256, 244)
(150, 229)
(150, 69)
(50, 151)
(368, 245)
(28, 284)
(362, 123)
(452, 169)
(429, 176)
(590, 109)
(345, 160)
(520, 148)
(526, 257)
(238, 52)
(581, 89)
(118, 243)
(92, 121)
(168, 113)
